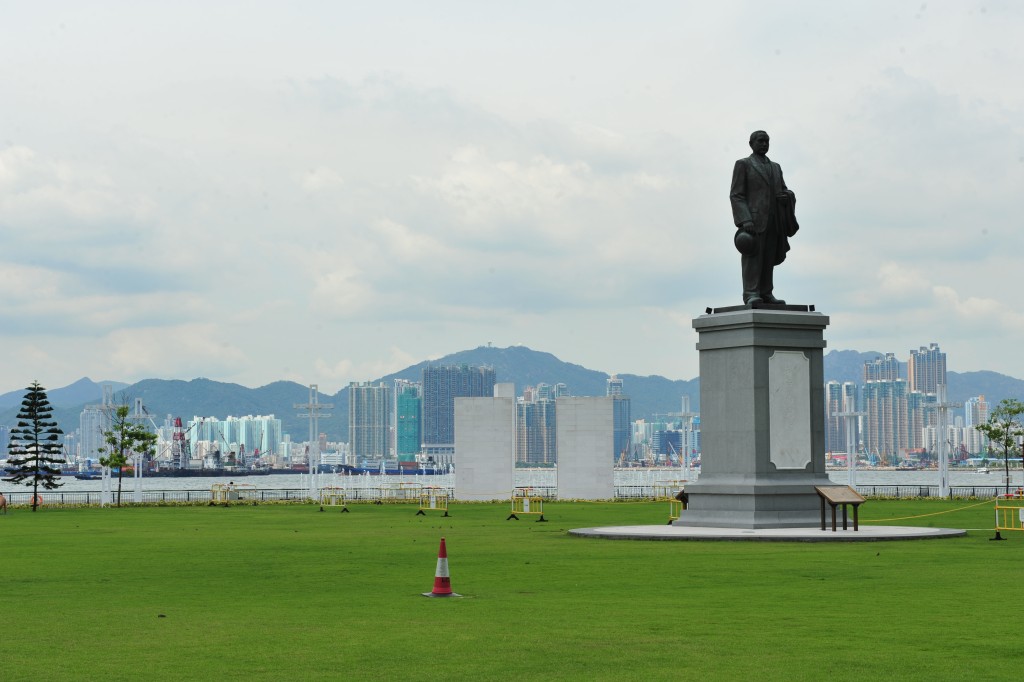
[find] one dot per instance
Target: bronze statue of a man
(762, 209)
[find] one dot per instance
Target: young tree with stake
(1005, 430)
(124, 438)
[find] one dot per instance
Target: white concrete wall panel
(586, 448)
(485, 448)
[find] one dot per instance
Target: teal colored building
(408, 431)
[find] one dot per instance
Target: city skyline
(894, 418)
(327, 193)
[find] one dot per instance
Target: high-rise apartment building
(835, 438)
(441, 386)
(544, 391)
(369, 411)
(903, 414)
(886, 422)
(535, 431)
(882, 369)
(926, 369)
(920, 415)
(536, 442)
(835, 423)
(975, 411)
(91, 424)
(251, 437)
(408, 406)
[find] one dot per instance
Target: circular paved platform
(865, 534)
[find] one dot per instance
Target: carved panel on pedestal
(789, 406)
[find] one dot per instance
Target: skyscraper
(926, 369)
(368, 420)
(408, 405)
(622, 419)
(441, 386)
(535, 431)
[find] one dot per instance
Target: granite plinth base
(865, 534)
(739, 502)
(762, 419)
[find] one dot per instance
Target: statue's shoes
(752, 301)
(773, 300)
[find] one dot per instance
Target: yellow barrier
(675, 510)
(433, 498)
(333, 496)
(525, 501)
(669, 491)
(226, 493)
(399, 492)
(1009, 514)
(218, 494)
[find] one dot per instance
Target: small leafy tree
(1005, 430)
(125, 437)
(34, 451)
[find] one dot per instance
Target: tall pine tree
(34, 451)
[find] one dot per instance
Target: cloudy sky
(327, 192)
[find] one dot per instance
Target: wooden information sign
(837, 495)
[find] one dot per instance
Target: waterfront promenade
(630, 483)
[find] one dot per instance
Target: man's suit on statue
(757, 190)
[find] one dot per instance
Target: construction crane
(140, 413)
(673, 454)
(181, 451)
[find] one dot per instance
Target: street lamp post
(943, 406)
(850, 420)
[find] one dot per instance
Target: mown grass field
(285, 592)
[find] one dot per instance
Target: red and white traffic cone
(442, 582)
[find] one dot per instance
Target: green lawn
(286, 592)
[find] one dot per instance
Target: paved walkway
(865, 534)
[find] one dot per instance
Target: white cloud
(322, 179)
(341, 372)
(355, 185)
(147, 351)
(987, 313)
(38, 191)
(489, 193)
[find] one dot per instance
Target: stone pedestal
(762, 420)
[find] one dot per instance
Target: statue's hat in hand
(745, 243)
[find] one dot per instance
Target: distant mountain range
(76, 394)
(516, 364)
